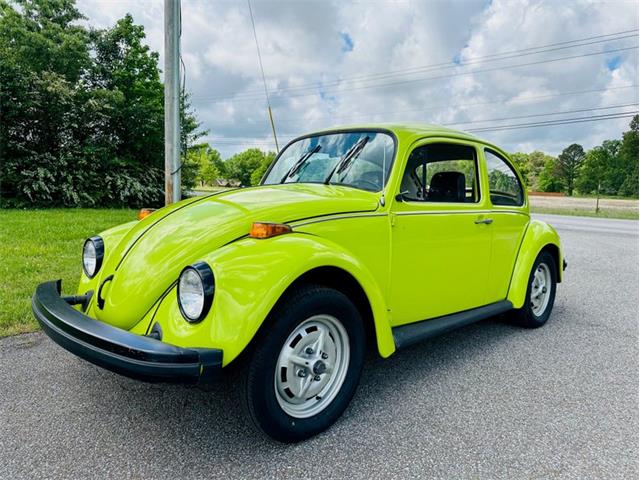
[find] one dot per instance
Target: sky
(467, 64)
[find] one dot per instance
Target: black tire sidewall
(260, 392)
(530, 319)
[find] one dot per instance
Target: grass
(41, 245)
(582, 212)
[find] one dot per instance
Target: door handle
(486, 221)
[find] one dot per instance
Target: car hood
(149, 258)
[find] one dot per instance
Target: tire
(536, 311)
(281, 402)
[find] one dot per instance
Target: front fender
(538, 235)
(111, 239)
(251, 275)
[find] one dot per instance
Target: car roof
(411, 131)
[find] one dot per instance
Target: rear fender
(538, 236)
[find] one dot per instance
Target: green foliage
(258, 173)
(82, 110)
(530, 166)
(569, 162)
(599, 171)
(204, 164)
(629, 157)
(246, 166)
(550, 178)
(612, 168)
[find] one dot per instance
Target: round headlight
(92, 255)
(195, 291)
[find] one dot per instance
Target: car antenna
(384, 174)
(264, 81)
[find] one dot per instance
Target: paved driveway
(487, 401)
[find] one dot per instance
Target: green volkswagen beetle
(373, 235)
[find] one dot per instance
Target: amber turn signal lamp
(268, 230)
(145, 212)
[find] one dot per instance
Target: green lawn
(40, 245)
(582, 212)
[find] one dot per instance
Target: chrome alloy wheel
(312, 366)
(540, 289)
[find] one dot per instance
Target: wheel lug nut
(302, 373)
(325, 356)
(309, 351)
(317, 378)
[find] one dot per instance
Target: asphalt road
(487, 401)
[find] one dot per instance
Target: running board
(405, 335)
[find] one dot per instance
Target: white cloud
(305, 49)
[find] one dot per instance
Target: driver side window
(441, 172)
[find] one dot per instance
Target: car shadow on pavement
(213, 419)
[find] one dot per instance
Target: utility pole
(171, 101)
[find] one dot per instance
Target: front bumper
(132, 355)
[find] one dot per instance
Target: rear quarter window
(504, 186)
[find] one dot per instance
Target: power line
(540, 114)
(473, 60)
(478, 104)
(561, 121)
(547, 123)
(491, 56)
(347, 88)
(474, 72)
(459, 74)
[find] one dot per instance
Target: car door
(510, 216)
(441, 234)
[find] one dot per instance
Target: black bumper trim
(126, 353)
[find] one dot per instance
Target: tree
(629, 159)
(530, 166)
(550, 179)
(205, 164)
(43, 55)
(569, 162)
(593, 172)
(521, 161)
(82, 119)
(242, 165)
(259, 172)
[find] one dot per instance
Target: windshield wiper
(301, 161)
(351, 155)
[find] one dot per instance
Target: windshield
(356, 159)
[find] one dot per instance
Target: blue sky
(464, 63)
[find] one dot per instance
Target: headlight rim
(98, 245)
(207, 279)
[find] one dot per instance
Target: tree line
(81, 110)
(204, 166)
(609, 169)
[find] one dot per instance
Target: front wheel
(306, 367)
(541, 293)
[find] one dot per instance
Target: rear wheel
(541, 293)
(304, 371)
